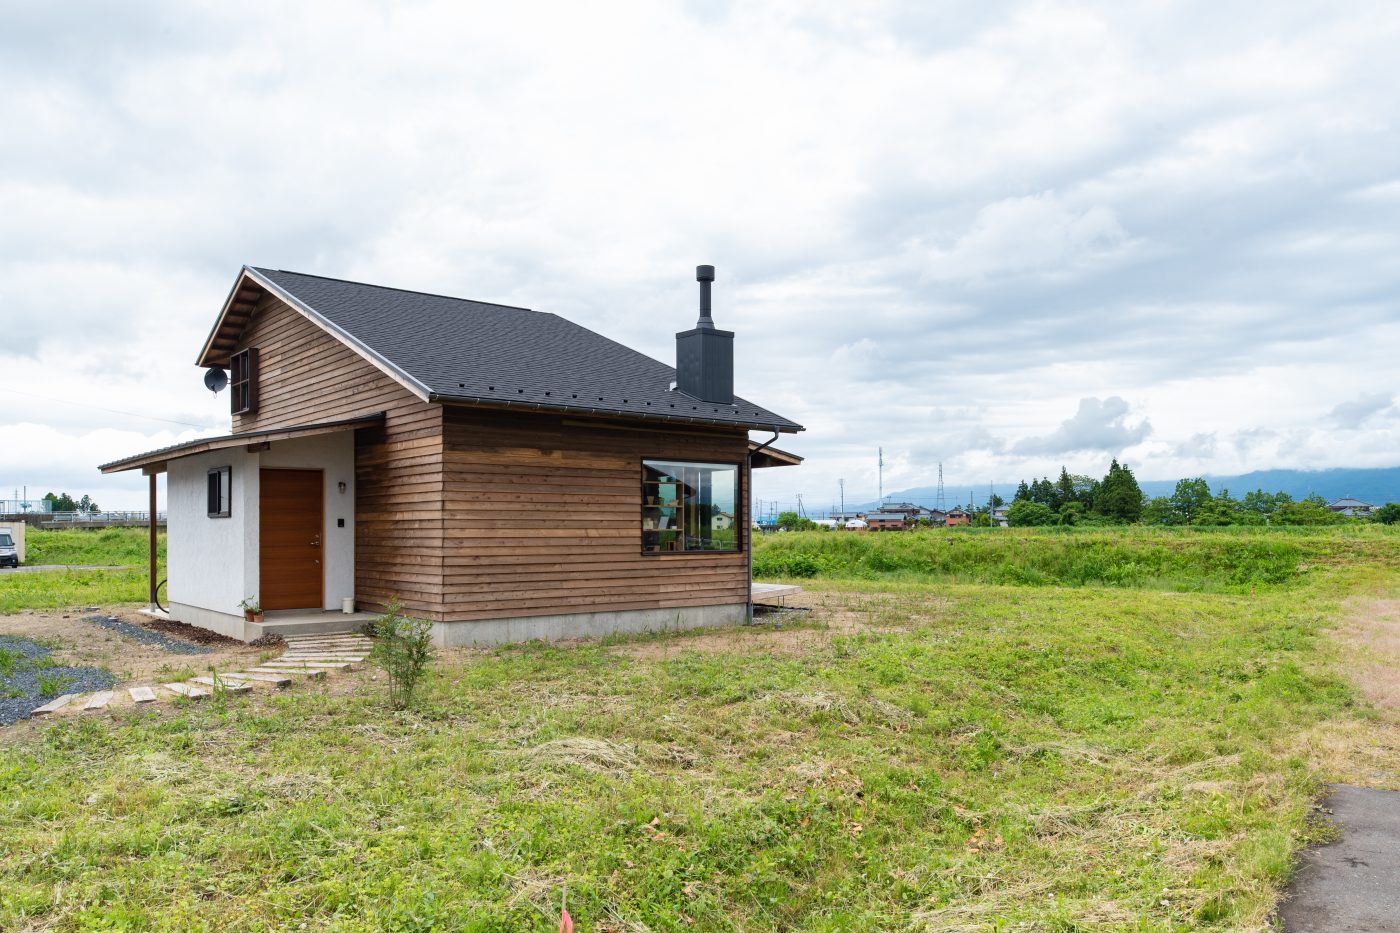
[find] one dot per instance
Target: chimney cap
(704, 273)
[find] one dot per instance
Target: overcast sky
(1008, 239)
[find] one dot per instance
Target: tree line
(1117, 500)
(66, 503)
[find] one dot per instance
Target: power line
(111, 411)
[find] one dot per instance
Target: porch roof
(771, 457)
(156, 460)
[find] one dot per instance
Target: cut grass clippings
(985, 757)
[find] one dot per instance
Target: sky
(1003, 237)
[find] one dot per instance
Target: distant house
(1353, 508)
(1001, 515)
(503, 473)
(886, 521)
(957, 517)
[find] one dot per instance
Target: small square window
(220, 491)
(243, 382)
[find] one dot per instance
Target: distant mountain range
(1376, 486)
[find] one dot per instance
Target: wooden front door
(290, 562)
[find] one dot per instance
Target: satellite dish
(215, 379)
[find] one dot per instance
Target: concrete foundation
(584, 625)
(293, 622)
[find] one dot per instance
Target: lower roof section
(155, 461)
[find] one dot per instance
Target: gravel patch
(146, 637)
(21, 689)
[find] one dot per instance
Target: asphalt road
(1352, 885)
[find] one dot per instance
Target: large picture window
(689, 507)
(220, 492)
(243, 382)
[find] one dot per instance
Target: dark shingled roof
(472, 351)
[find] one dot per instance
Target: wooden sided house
(499, 471)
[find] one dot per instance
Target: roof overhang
(771, 457)
(156, 460)
(242, 302)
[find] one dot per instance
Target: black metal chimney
(704, 355)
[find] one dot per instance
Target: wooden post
(153, 580)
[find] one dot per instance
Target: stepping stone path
(307, 656)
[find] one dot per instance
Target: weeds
(403, 649)
(51, 685)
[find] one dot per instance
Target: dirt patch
(1372, 632)
(191, 633)
(829, 616)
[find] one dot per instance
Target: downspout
(748, 513)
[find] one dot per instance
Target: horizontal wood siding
(542, 516)
(307, 376)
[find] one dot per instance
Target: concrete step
(313, 673)
(330, 624)
(141, 694)
(55, 704)
(276, 680)
(185, 690)
(98, 700)
(322, 656)
(360, 644)
(309, 665)
(232, 686)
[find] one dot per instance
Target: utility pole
(801, 513)
(942, 505)
(842, 484)
(882, 476)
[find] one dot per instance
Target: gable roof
(471, 352)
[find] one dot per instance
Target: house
(501, 472)
(1350, 507)
(957, 516)
(1001, 516)
(900, 515)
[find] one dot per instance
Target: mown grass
(125, 548)
(1201, 560)
(982, 757)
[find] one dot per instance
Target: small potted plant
(251, 610)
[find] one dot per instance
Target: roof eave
(784, 426)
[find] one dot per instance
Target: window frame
(224, 491)
(243, 381)
(741, 532)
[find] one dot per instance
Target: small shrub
(9, 660)
(403, 648)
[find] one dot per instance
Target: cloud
(1355, 413)
(1197, 446)
(1097, 425)
(1087, 202)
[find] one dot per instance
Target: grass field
(59, 589)
(921, 755)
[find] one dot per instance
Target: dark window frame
(243, 381)
(741, 531)
(218, 488)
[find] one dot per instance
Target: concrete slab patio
(1353, 884)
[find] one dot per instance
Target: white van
(9, 550)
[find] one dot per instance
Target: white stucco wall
(212, 563)
(206, 558)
